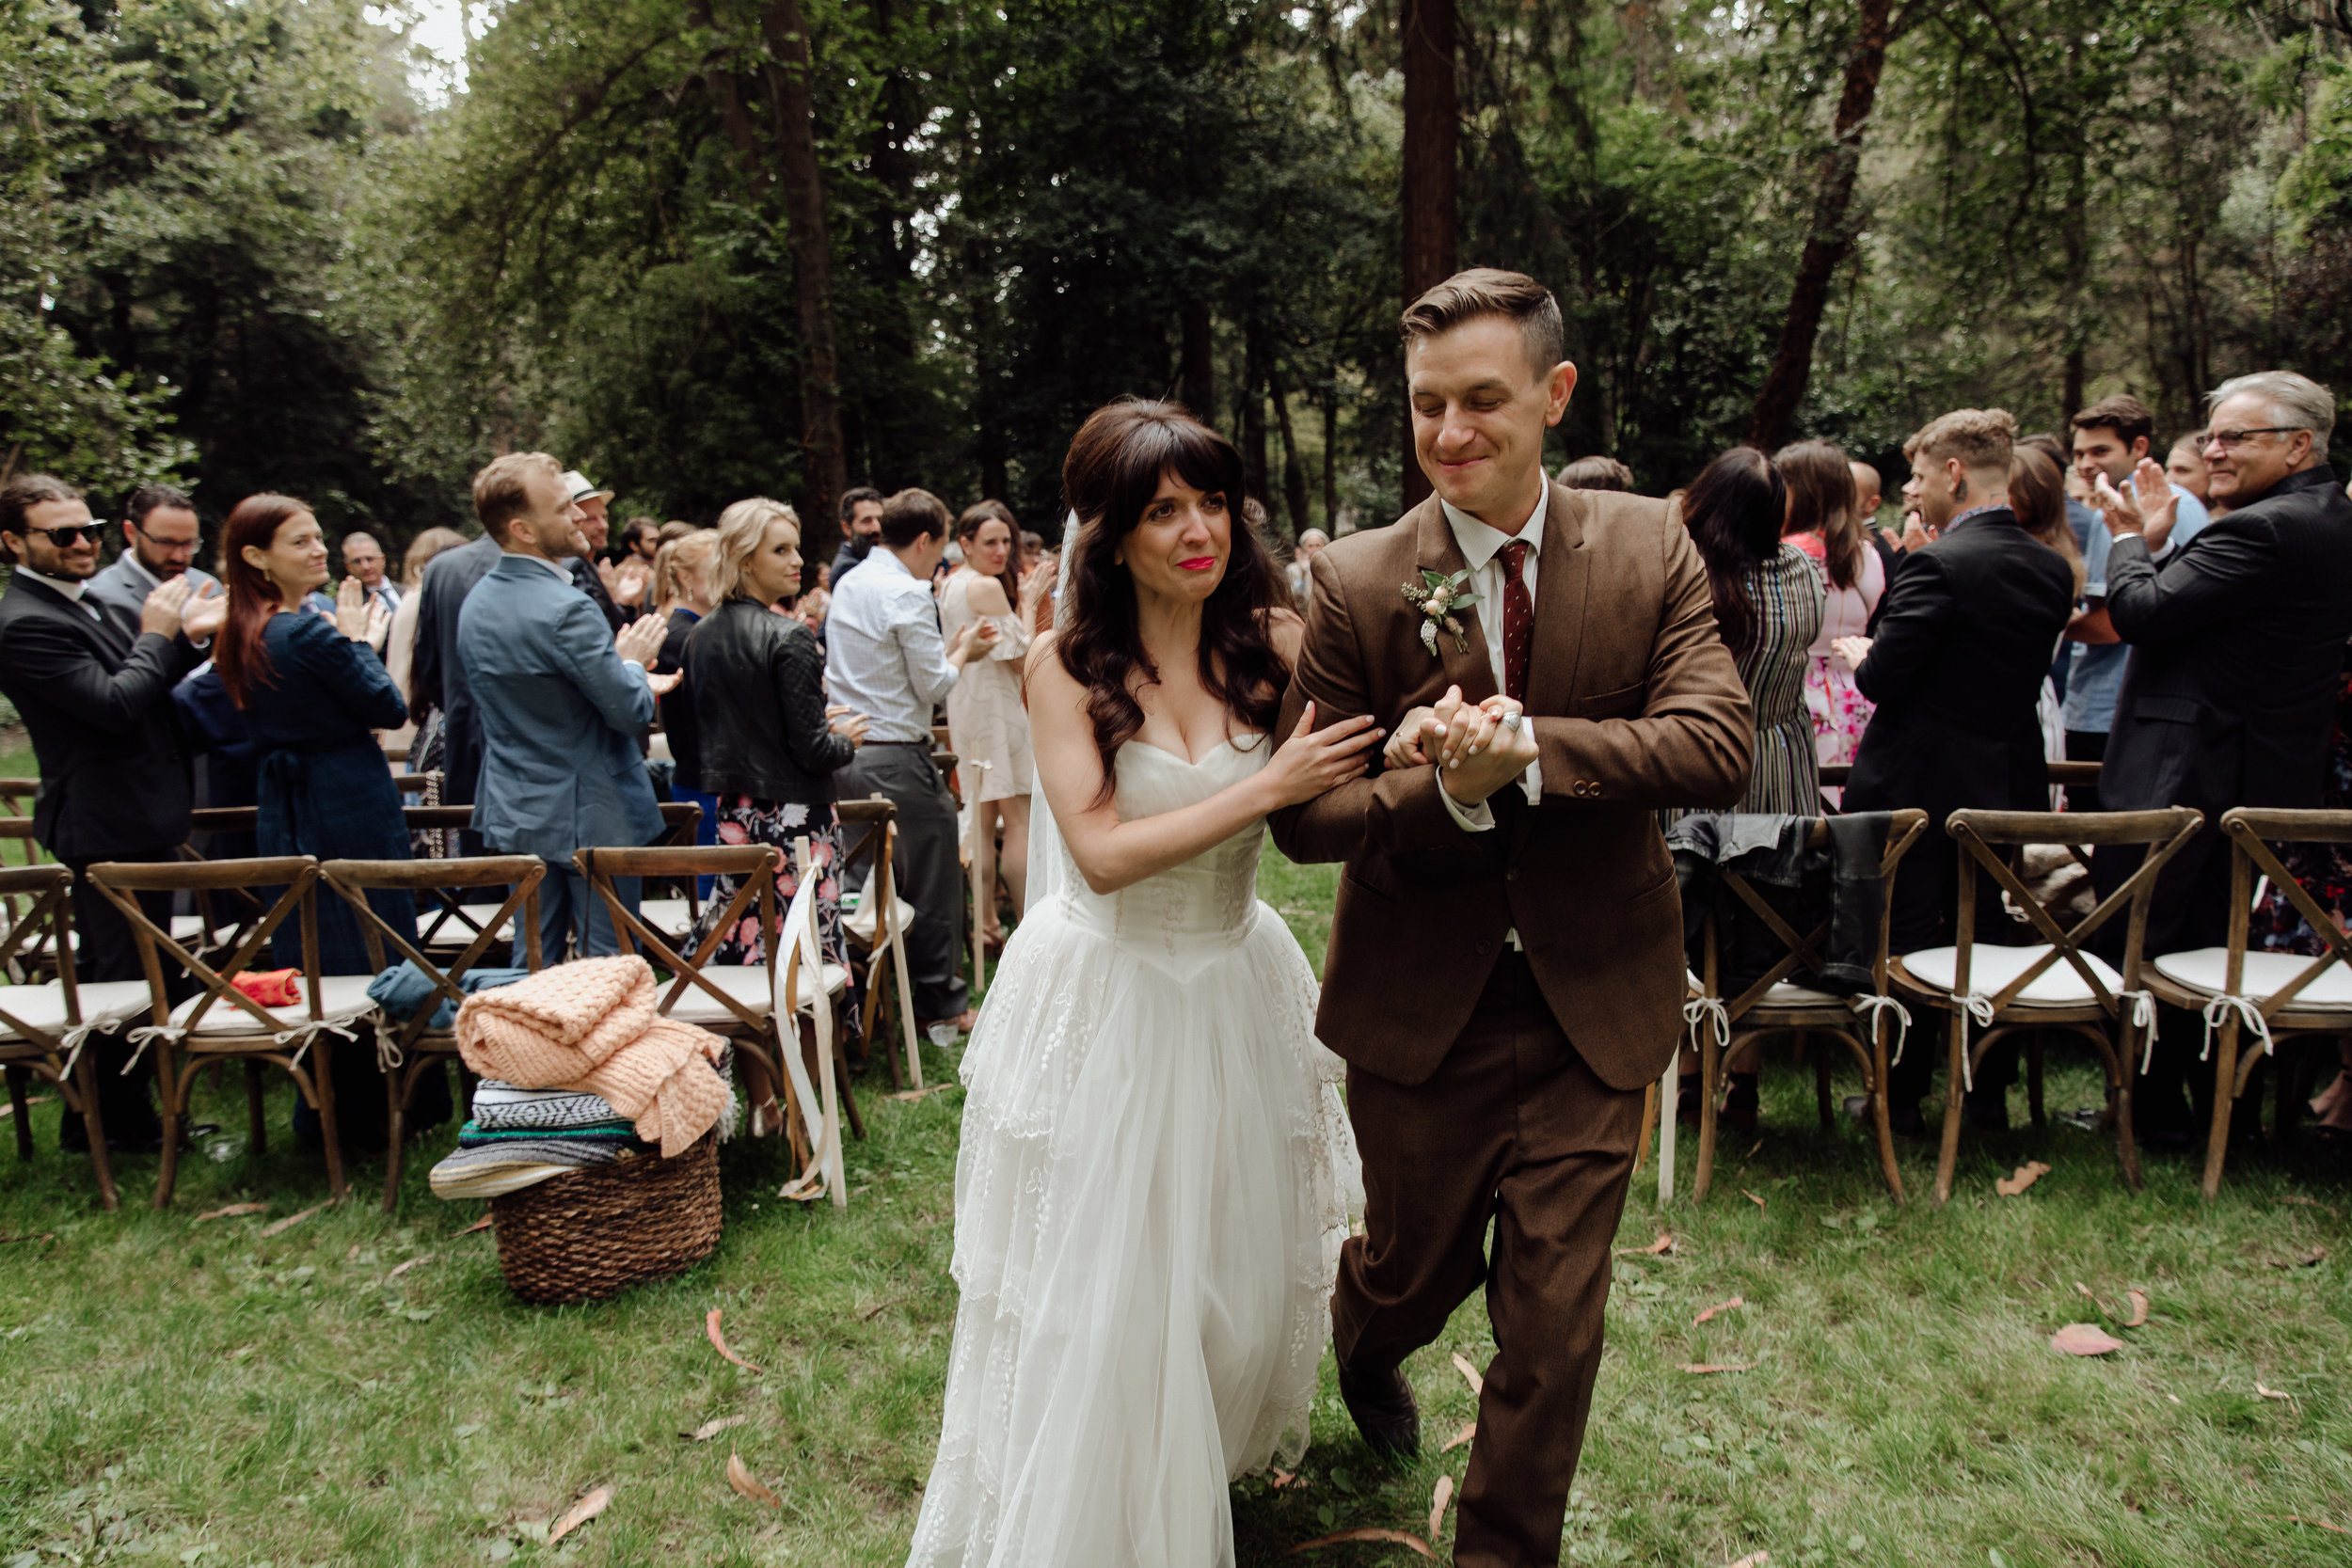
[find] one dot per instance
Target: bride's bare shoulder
(1044, 663)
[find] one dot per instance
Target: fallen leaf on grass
(36, 1099)
(2139, 1309)
(719, 1342)
(1461, 1364)
(2301, 1260)
(1701, 1369)
(581, 1511)
(2270, 1393)
(28, 1236)
(2308, 1203)
(711, 1429)
(417, 1261)
(739, 1477)
(1283, 1478)
(923, 1093)
(481, 1224)
(1393, 1537)
(1437, 1501)
(1754, 1560)
(1753, 1197)
(1460, 1438)
(2320, 1524)
(2084, 1340)
(2025, 1175)
(1719, 1306)
(1665, 1243)
(232, 1212)
(877, 1309)
(279, 1227)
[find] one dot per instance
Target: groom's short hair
(1490, 291)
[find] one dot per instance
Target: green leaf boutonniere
(1438, 597)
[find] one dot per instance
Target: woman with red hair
(313, 692)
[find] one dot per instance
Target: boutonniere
(1438, 597)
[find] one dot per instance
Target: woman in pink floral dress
(1823, 523)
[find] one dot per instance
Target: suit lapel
(1563, 579)
(105, 634)
(1437, 551)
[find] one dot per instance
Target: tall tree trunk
(1256, 361)
(1294, 472)
(1773, 420)
(794, 129)
(1431, 127)
(887, 402)
(1331, 461)
(1196, 373)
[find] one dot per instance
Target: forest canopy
(710, 248)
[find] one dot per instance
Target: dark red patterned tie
(1519, 621)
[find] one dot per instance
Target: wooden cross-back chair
(405, 1050)
(44, 1026)
(876, 928)
(674, 909)
(2238, 988)
(2054, 984)
(18, 795)
(219, 1022)
(38, 953)
(1781, 1002)
(223, 916)
(736, 1001)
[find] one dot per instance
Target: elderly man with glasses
(2238, 654)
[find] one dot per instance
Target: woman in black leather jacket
(764, 742)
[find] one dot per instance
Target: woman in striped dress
(1769, 597)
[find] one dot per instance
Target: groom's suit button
(1484, 947)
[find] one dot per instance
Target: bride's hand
(1313, 762)
(1404, 748)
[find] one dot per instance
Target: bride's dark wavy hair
(1113, 471)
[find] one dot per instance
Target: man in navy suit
(561, 700)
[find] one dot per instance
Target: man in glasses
(160, 540)
(2238, 649)
(94, 688)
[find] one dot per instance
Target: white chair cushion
(1990, 970)
(669, 916)
(340, 997)
(746, 983)
(446, 929)
(1785, 993)
(186, 929)
(860, 922)
(836, 980)
(103, 1003)
(2266, 973)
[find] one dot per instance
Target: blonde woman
(758, 736)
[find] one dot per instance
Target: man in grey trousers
(885, 658)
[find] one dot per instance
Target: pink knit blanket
(590, 1026)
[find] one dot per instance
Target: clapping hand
(1916, 534)
(663, 684)
(630, 582)
(2149, 511)
(202, 615)
(641, 641)
(351, 609)
(1854, 650)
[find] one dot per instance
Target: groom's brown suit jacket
(1636, 705)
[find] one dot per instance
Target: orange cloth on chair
(590, 1026)
(269, 988)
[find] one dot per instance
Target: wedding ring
(1512, 722)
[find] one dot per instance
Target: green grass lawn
(362, 1390)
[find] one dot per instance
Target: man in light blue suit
(562, 700)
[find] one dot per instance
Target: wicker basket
(595, 1234)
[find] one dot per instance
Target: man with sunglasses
(2237, 651)
(160, 542)
(94, 688)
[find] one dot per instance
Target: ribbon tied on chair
(1871, 1011)
(2249, 1013)
(1978, 1009)
(2143, 1017)
(1704, 1010)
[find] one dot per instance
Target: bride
(1155, 1172)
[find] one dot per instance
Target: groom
(1505, 970)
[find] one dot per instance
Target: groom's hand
(1494, 756)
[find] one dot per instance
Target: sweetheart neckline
(1231, 742)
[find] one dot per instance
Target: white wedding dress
(1155, 1176)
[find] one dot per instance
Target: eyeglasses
(70, 534)
(2230, 439)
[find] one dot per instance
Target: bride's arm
(1112, 854)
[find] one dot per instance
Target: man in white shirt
(885, 658)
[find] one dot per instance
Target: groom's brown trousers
(1515, 1127)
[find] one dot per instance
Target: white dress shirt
(1482, 550)
(70, 587)
(884, 654)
